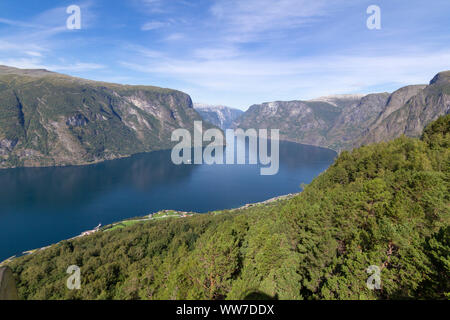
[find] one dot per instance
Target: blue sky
(233, 52)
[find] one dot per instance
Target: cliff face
(49, 119)
(348, 121)
(354, 119)
(219, 116)
(298, 121)
(328, 121)
(409, 110)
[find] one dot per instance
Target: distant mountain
(343, 122)
(327, 121)
(49, 119)
(219, 116)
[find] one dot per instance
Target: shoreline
(159, 215)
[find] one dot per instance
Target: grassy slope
(384, 205)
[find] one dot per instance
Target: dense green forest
(385, 204)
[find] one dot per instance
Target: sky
(233, 52)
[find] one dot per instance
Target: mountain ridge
(343, 122)
(51, 119)
(423, 104)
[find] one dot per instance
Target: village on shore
(163, 214)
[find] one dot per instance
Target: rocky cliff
(346, 121)
(328, 121)
(409, 110)
(50, 119)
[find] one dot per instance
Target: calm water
(41, 206)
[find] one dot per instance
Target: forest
(384, 204)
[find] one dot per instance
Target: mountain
(343, 122)
(384, 205)
(327, 122)
(50, 119)
(409, 110)
(219, 116)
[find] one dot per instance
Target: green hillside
(385, 205)
(49, 119)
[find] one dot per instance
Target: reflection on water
(40, 206)
(58, 187)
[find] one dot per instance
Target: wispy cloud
(175, 36)
(248, 20)
(37, 63)
(213, 53)
(19, 46)
(33, 53)
(76, 67)
(237, 52)
(153, 25)
(33, 43)
(17, 23)
(300, 78)
(153, 6)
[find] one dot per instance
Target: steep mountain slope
(51, 119)
(345, 122)
(354, 119)
(328, 121)
(219, 116)
(298, 121)
(410, 109)
(384, 205)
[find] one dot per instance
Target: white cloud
(298, 78)
(247, 20)
(34, 47)
(153, 25)
(242, 51)
(216, 53)
(175, 37)
(37, 63)
(76, 67)
(17, 23)
(33, 53)
(19, 46)
(23, 63)
(153, 6)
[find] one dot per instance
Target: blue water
(41, 206)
